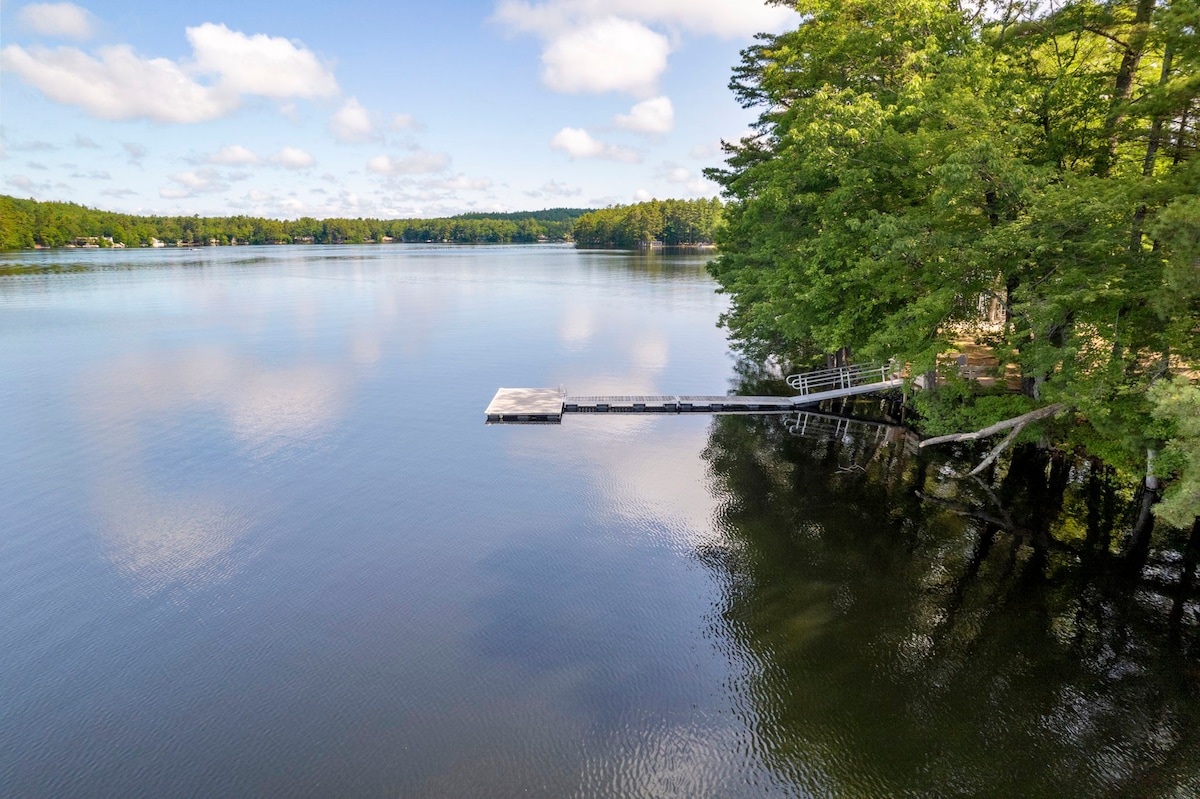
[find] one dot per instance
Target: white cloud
(232, 155)
(553, 188)
(607, 55)
(642, 196)
(653, 116)
(84, 141)
(119, 193)
(679, 175)
(405, 122)
(189, 184)
(136, 152)
(724, 18)
(578, 143)
(293, 158)
(64, 20)
(267, 66)
(417, 164)
(351, 124)
(609, 45)
(696, 184)
(461, 182)
(118, 84)
(704, 151)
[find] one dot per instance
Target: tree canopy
(670, 222)
(915, 160)
(29, 223)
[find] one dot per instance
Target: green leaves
(917, 160)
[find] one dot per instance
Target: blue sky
(367, 109)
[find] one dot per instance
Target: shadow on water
(903, 632)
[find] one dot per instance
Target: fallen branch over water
(1016, 423)
(991, 430)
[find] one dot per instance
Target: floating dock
(547, 405)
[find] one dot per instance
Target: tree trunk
(1191, 554)
(1143, 526)
(1123, 87)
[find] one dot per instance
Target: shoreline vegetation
(32, 224)
(1023, 181)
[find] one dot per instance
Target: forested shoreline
(672, 223)
(1019, 178)
(25, 224)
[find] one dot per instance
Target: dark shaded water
(256, 540)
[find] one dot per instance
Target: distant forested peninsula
(26, 224)
(668, 222)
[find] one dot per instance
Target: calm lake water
(256, 540)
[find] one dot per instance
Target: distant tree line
(670, 222)
(29, 223)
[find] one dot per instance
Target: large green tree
(915, 160)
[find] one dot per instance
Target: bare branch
(1022, 420)
(996, 450)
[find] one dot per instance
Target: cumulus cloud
(62, 20)
(610, 54)
(461, 182)
(417, 164)
(653, 116)
(23, 182)
(724, 18)
(118, 84)
(696, 184)
(189, 184)
(351, 124)
(293, 158)
(553, 188)
(404, 122)
(613, 45)
(267, 66)
(578, 144)
(234, 154)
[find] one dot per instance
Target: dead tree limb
(996, 450)
(1016, 421)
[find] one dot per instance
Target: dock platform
(547, 405)
(526, 405)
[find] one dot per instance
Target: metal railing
(838, 428)
(843, 377)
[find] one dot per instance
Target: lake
(256, 540)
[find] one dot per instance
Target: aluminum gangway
(844, 381)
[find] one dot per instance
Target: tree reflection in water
(903, 632)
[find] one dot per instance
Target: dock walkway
(549, 404)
